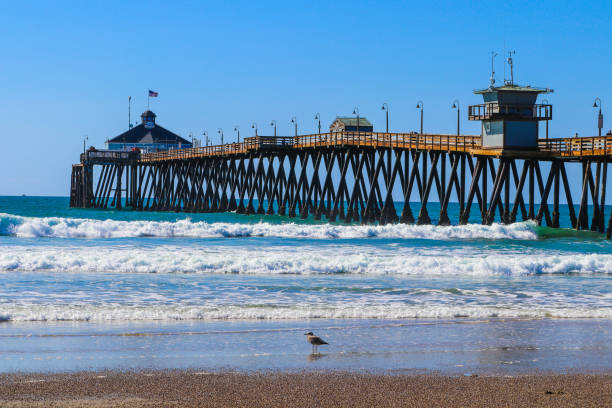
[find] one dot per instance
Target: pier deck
(548, 149)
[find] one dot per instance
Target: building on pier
(510, 116)
(349, 124)
(148, 137)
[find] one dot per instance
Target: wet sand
(457, 347)
(300, 389)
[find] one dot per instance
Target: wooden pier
(352, 176)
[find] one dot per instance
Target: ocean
(94, 289)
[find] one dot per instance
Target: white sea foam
(59, 227)
(299, 260)
(345, 311)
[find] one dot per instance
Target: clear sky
(67, 68)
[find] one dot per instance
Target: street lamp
(129, 112)
(318, 118)
(205, 135)
(545, 102)
(294, 121)
(456, 106)
(273, 123)
(356, 112)
(85, 139)
(254, 126)
(600, 115)
(220, 131)
(237, 129)
(420, 106)
(385, 107)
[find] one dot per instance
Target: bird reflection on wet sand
(314, 357)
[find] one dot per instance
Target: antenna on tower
(492, 80)
(129, 112)
(510, 62)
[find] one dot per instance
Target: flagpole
(148, 99)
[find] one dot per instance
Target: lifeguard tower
(510, 114)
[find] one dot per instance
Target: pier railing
(374, 139)
(577, 146)
(195, 152)
(561, 147)
(493, 110)
(365, 139)
(103, 156)
(254, 143)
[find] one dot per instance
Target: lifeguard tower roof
(513, 88)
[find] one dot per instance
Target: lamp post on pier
(294, 121)
(420, 106)
(273, 123)
(205, 135)
(220, 131)
(600, 115)
(254, 126)
(356, 112)
(237, 130)
(456, 106)
(85, 139)
(318, 118)
(385, 107)
(129, 112)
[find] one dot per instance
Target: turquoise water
(90, 271)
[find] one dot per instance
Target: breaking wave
(261, 312)
(299, 260)
(58, 227)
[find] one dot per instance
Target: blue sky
(67, 68)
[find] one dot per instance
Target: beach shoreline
(169, 388)
(457, 347)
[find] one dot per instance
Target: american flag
(153, 93)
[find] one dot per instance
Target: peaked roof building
(351, 124)
(148, 136)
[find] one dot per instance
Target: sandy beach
(319, 389)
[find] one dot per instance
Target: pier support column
(506, 219)
(556, 188)
(531, 213)
(423, 218)
(583, 221)
(602, 205)
(595, 196)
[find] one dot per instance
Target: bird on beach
(315, 341)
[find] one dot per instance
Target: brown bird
(315, 341)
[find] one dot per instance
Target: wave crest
(58, 227)
(39, 313)
(333, 260)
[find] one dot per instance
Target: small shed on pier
(351, 124)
